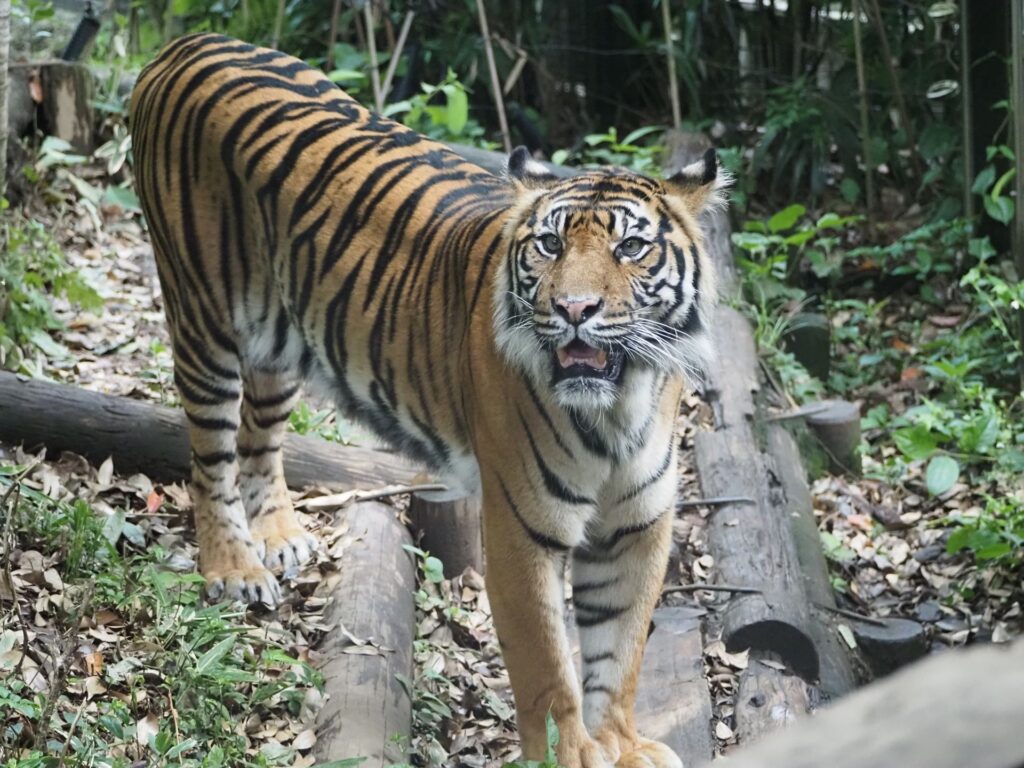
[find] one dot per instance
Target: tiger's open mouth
(577, 359)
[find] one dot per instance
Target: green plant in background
(994, 536)
(602, 149)
(33, 273)
(444, 119)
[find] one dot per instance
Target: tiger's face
(605, 278)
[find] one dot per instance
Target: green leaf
(639, 133)
(849, 189)
(835, 549)
(999, 208)
(552, 733)
(347, 763)
(983, 180)
(915, 442)
(214, 655)
(458, 109)
(433, 569)
(786, 218)
(942, 473)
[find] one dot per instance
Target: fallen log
(672, 703)
(956, 709)
(771, 544)
(768, 700)
(142, 437)
(450, 531)
(368, 712)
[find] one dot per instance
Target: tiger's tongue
(579, 352)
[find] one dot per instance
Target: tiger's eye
(551, 243)
(630, 247)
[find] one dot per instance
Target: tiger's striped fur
(525, 337)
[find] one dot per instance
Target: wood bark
(672, 704)
(153, 439)
(451, 531)
(67, 104)
(772, 543)
(368, 707)
(960, 708)
(837, 427)
(768, 700)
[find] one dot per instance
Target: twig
(371, 45)
(495, 82)
(336, 500)
(850, 614)
(799, 413)
(716, 501)
(673, 85)
(711, 588)
(395, 54)
(278, 24)
(71, 732)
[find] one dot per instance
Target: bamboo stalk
(5, 46)
(901, 103)
(278, 24)
(495, 82)
(673, 85)
(371, 45)
(332, 36)
(1017, 106)
(966, 117)
(396, 53)
(865, 139)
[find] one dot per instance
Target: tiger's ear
(700, 184)
(526, 173)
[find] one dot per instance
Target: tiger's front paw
(649, 754)
(250, 585)
(281, 541)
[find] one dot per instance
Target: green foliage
(325, 423)
(33, 273)
(995, 536)
(200, 660)
(601, 149)
(446, 120)
(550, 759)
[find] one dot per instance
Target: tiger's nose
(577, 310)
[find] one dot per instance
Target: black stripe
(545, 541)
(273, 400)
(217, 457)
(590, 586)
(251, 453)
(629, 530)
(636, 490)
(556, 487)
(606, 656)
(225, 425)
(596, 614)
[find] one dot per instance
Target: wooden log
(751, 543)
(809, 338)
(672, 704)
(142, 437)
(956, 709)
(451, 531)
(772, 544)
(888, 644)
(368, 708)
(837, 426)
(495, 161)
(67, 107)
(768, 700)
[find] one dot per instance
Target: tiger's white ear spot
(525, 172)
(702, 183)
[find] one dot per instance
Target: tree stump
(67, 110)
(451, 531)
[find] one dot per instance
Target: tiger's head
(605, 277)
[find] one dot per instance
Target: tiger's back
(526, 337)
(305, 213)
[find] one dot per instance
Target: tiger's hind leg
(268, 399)
(210, 389)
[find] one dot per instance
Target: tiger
(525, 336)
